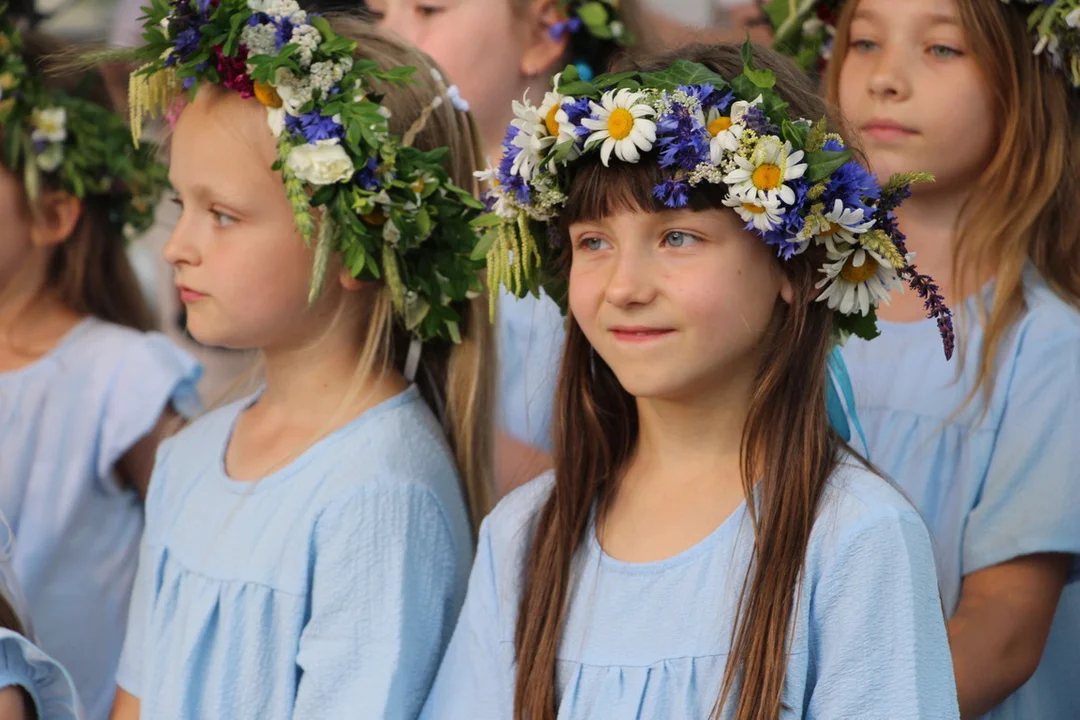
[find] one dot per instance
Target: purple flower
(517, 185)
(315, 126)
(187, 42)
(852, 184)
(673, 193)
(681, 139)
(566, 27)
(755, 120)
(366, 177)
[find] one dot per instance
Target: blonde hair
(455, 380)
(1020, 209)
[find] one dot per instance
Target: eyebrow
(933, 19)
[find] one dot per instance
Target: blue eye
(677, 239)
(863, 45)
(944, 52)
(593, 243)
(221, 219)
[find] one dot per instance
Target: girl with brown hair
(86, 393)
(987, 448)
(707, 546)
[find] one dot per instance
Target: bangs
(597, 192)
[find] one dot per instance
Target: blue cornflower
(187, 42)
(852, 184)
(566, 27)
(315, 126)
(366, 177)
(576, 111)
(673, 193)
(681, 138)
(516, 184)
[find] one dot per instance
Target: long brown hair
(455, 380)
(1019, 210)
(90, 271)
(596, 430)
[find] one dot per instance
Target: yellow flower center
(751, 207)
(767, 177)
(719, 125)
(550, 121)
(829, 230)
(862, 273)
(620, 123)
(375, 217)
(418, 186)
(267, 95)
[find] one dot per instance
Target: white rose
(738, 109)
(1073, 18)
(275, 118)
(49, 125)
(324, 163)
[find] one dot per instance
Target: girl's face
(913, 93)
(489, 48)
(241, 266)
(675, 302)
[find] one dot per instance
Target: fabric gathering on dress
(65, 421)
(991, 486)
(651, 640)
(328, 588)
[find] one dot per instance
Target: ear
(787, 290)
(54, 218)
(542, 51)
(349, 282)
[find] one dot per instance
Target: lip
(885, 130)
(638, 333)
(188, 296)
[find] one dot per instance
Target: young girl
(499, 51)
(707, 547)
(85, 392)
(307, 549)
(987, 450)
(32, 684)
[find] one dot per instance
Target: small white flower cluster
(260, 39)
(50, 129)
(324, 75)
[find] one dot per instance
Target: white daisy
(857, 280)
(843, 225)
(621, 123)
(766, 174)
(764, 215)
(725, 135)
(49, 125)
(529, 124)
(556, 121)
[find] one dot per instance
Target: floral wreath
(791, 181)
(805, 30)
(74, 144)
(595, 30)
(388, 207)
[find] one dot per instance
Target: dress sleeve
(476, 679)
(385, 592)
(129, 671)
(46, 681)
(1030, 498)
(878, 647)
(150, 373)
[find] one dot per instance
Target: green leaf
(568, 75)
(682, 72)
(483, 246)
(579, 88)
(487, 220)
(764, 79)
(746, 52)
(861, 326)
(323, 26)
(423, 223)
(824, 163)
(593, 14)
(795, 133)
(605, 81)
(323, 195)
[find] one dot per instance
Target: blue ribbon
(838, 417)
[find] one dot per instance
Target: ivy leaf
(824, 163)
(861, 326)
(682, 72)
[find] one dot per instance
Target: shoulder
(861, 508)
(507, 532)
(1049, 318)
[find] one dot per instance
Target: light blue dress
(991, 487)
(65, 421)
(651, 640)
(530, 333)
(328, 589)
(21, 662)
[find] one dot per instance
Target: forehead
(937, 12)
(223, 140)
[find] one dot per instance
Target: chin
(653, 384)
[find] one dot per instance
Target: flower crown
(805, 31)
(388, 207)
(596, 31)
(78, 146)
(791, 181)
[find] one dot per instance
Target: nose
(889, 78)
(632, 278)
(182, 246)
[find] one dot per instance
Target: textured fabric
(50, 687)
(995, 485)
(651, 640)
(530, 333)
(65, 421)
(328, 589)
